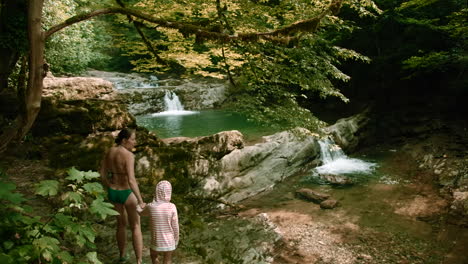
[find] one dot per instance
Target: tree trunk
(33, 95)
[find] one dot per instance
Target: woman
(117, 173)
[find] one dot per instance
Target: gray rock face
(145, 95)
(225, 167)
(253, 169)
(346, 132)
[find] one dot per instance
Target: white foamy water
(175, 113)
(173, 106)
(335, 161)
(346, 165)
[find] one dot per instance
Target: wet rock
(329, 204)
(336, 179)
(348, 132)
(311, 195)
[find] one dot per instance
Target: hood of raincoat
(163, 191)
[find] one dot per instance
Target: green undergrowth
(66, 234)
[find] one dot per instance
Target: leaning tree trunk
(33, 96)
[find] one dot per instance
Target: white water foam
(346, 165)
(336, 162)
(173, 106)
(175, 113)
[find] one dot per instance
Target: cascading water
(173, 106)
(172, 102)
(336, 162)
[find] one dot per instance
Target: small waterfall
(173, 106)
(329, 151)
(172, 102)
(336, 162)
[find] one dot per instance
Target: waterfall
(173, 106)
(335, 160)
(172, 102)
(329, 151)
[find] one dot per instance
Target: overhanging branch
(307, 25)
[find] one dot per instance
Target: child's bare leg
(154, 257)
(167, 257)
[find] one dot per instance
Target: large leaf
(89, 175)
(75, 175)
(102, 209)
(87, 232)
(73, 197)
(6, 193)
(47, 188)
(93, 188)
(47, 247)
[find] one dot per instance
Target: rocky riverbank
(80, 116)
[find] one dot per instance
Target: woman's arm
(103, 171)
(130, 162)
(175, 225)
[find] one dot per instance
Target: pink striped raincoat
(164, 220)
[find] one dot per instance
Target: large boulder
(221, 166)
(348, 132)
(253, 169)
(77, 88)
(79, 105)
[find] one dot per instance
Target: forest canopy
(279, 56)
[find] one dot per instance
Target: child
(164, 223)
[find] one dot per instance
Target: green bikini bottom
(119, 196)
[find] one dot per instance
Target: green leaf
(72, 197)
(87, 232)
(8, 244)
(47, 188)
(92, 257)
(65, 257)
(63, 221)
(6, 259)
(47, 247)
(75, 175)
(93, 188)
(102, 209)
(89, 175)
(6, 193)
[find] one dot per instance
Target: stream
(385, 217)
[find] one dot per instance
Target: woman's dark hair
(124, 133)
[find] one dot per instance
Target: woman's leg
(154, 256)
(167, 257)
(121, 233)
(134, 220)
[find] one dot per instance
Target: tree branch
(307, 25)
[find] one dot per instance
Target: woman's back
(117, 162)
